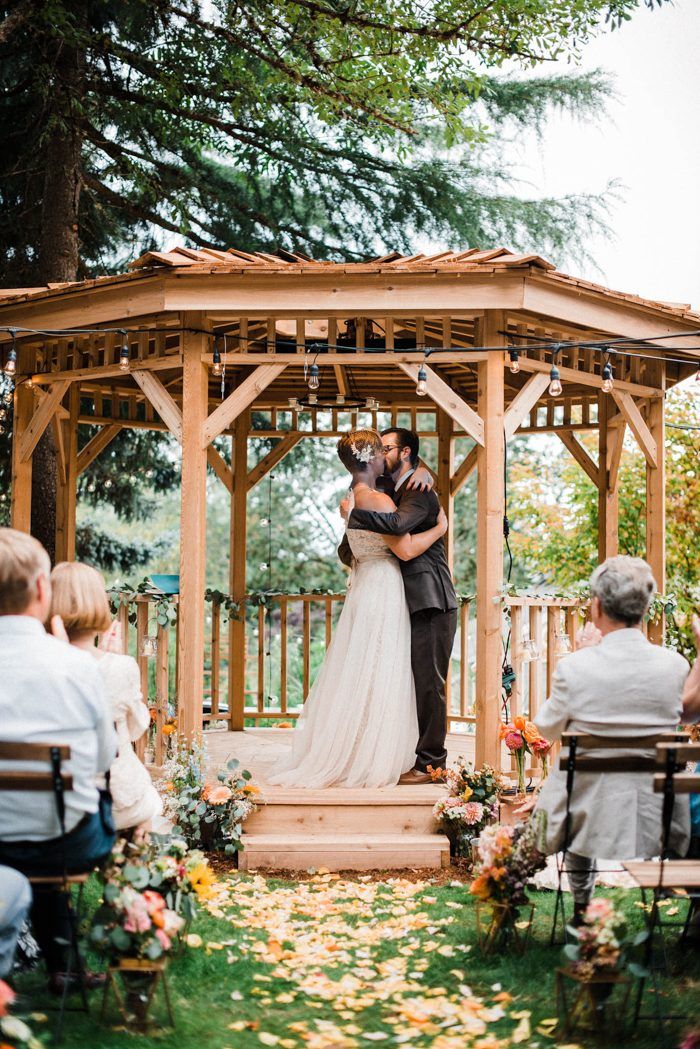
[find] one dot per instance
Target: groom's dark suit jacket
(427, 579)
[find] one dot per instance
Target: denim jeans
(15, 901)
(82, 849)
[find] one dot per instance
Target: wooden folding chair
(667, 878)
(576, 757)
(53, 781)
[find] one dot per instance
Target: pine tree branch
(14, 21)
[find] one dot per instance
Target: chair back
(577, 743)
(53, 780)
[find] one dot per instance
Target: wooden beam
(639, 428)
(489, 543)
(21, 507)
(656, 504)
(584, 378)
(162, 401)
(352, 357)
(67, 493)
(580, 455)
(608, 507)
(57, 430)
(237, 572)
(239, 400)
(465, 468)
(444, 479)
(41, 418)
(523, 402)
(450, 402)
(193, 531)
(616, 440)
(106, 371)
(96, 445)
(220, 467)
(273, 457)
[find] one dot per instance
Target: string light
(124, 354)
(216, 366)
(314, 381)
(555, 386)
(11, 362)
(372, 404)
(514, 361)
(607, 376)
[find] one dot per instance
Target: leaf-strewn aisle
(330, 961)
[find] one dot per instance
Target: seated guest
(620, 685)
(15, 901)
(79, 598)
(50, 692)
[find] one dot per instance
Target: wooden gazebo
(366, 325)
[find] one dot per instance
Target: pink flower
(540, 746)
(136, 910)
(473, 812)
(7, 997)
(154, 901)
(163, 939)
(219, 795)
(514, 740)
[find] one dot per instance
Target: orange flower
(480, 887)
(168, 730)
(250, 789)
(219, 795)
(505, 730)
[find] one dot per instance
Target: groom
(429, 592)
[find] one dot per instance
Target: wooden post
(489, 542)
(444, 477)
(237, 572)
(607, 495)
(67, 490)
(656, 505)
(21, 471)
(193, 531)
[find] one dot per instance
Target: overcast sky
(650, 141)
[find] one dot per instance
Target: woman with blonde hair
(80, 602)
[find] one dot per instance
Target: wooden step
(340, 852)
(391, 810)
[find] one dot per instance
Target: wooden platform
(336, 828)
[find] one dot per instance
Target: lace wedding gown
(359, 726)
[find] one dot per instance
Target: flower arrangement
(133, 922)
(523, 737)
(207, 813)
(14, 1031)
(506, 858)
(472, 803)
(602, 943)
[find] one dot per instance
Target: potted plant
(506, 857)
(593, 987)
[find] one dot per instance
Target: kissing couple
(376, 714)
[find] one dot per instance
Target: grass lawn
(330, 961)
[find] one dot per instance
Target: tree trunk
(59, 246)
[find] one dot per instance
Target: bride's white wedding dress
(359, 726)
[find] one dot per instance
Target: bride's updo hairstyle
(357, 448)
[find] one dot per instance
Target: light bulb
(7, 397)
(3, 414)
(555, 386)
(264, 522)
(422, 384)
(263, 566)
(514, 361)
(124, 363)
(607, 374)
(314, 381)
(11, 362)
(216, 367)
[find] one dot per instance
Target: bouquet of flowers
(207, 813)
(602, 942)
(14, 1032)
(472, 803)
(523, 737)
(134, 923)
(506, 858)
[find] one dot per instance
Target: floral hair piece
(364, 455)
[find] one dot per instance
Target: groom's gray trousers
(433, 607)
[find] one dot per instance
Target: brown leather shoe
(415, 778)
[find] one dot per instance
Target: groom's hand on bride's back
(421, 479)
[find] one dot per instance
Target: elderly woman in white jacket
(617, 684)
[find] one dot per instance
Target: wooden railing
(286, 639)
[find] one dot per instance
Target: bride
(359, 726)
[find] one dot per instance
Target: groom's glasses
(387, 447)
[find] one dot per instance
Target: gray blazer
(623, 686)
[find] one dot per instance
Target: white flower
(13, 1027)
(364, 455)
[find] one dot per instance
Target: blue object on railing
(169, 584)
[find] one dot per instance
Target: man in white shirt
(50, 692)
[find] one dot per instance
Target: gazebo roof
(180, 259)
